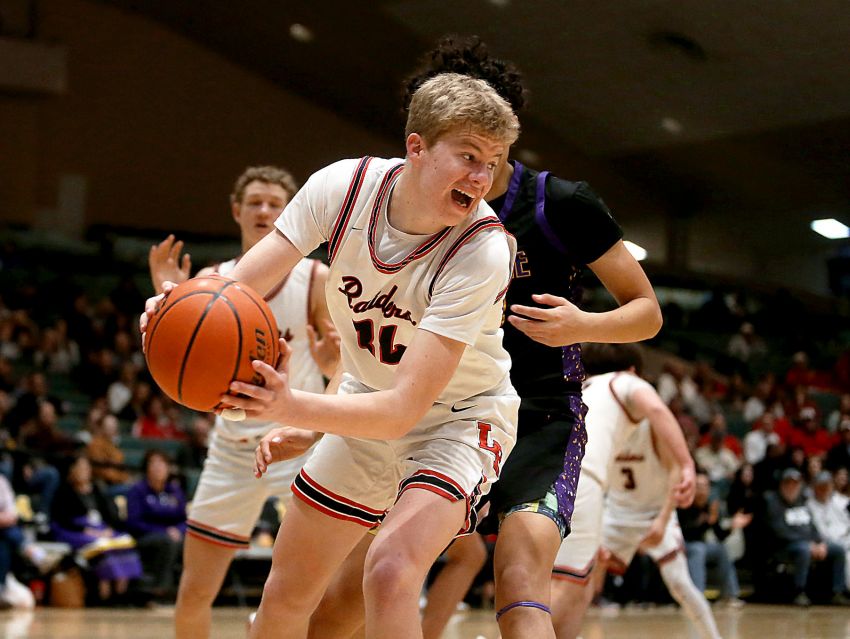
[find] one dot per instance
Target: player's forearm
(267, 263)
(636, 320)
(378, 415)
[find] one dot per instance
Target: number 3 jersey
(610, 420)
(384, 284)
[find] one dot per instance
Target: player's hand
(152, 305)
(684, 491)
(654, 535)
(166, 265)
(562, 324)
(281, 444)
(324, 349)
(270, 402)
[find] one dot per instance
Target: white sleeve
(624, 386)
(308, 219)
(467, 289)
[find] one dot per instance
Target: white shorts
(229, 499)
(622, 537)
(577, 554)
(455, 454)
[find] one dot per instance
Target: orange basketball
(205, 335)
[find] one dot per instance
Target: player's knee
(521, 579)
(389, 574)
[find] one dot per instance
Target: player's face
(458, 171)
(261, 204)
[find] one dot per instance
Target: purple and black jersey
(560, 227)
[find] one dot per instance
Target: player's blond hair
(267, 174)
(450, 101)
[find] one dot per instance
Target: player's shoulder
(364, 171)
(577, 194)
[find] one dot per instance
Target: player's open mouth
(461, 198)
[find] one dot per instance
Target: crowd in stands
(107, 462)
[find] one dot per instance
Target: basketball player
(425, 414)
(640, 512)
(227, 501)
(560, 227)
(618, 402)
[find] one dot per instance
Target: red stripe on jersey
(420, 251)
(217, 542)
(335, 497)
(331, 513)
(438, 475)
(574, 575)
(432, 488)
(347, 207)
(222, 533)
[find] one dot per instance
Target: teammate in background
(228, 501)
(618, 402)
(561, 227)
(418, 270)
(640, 513)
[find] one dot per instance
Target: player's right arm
(646, 403)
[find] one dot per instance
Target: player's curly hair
(469, 56)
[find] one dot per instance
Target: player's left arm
(636, 318)
(323, 336)
(645, 403)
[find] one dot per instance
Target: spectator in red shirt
(155, 422)
(811, 436)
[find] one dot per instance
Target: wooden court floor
(750, 622)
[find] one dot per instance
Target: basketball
(205, 334)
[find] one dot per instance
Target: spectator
(156, 516)
(704, 515)
(193, 455)
(744, 499)
(120, 392)
(86, 519)
(106, 458)
(56, 353)
(759, 401)
(718, 425)
(839, 455)
(800, 375)
(686, 422)
(840, 414)
(135, 408)
(155, 423)
(12, 541)
(34, 391)
(841, 487)
(716, 459)
(791, 534)
(746, 348)
(758, 439)
(830, 516)
(767, 472)
(809, 436)
(675, 380)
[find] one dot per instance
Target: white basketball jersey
(609, 419)
(639, 482)
(290, 303)
(384, 284)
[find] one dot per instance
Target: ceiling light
(831, 228)
(300, 32)
(638, 252)
(671, 125)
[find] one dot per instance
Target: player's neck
(405, 212)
